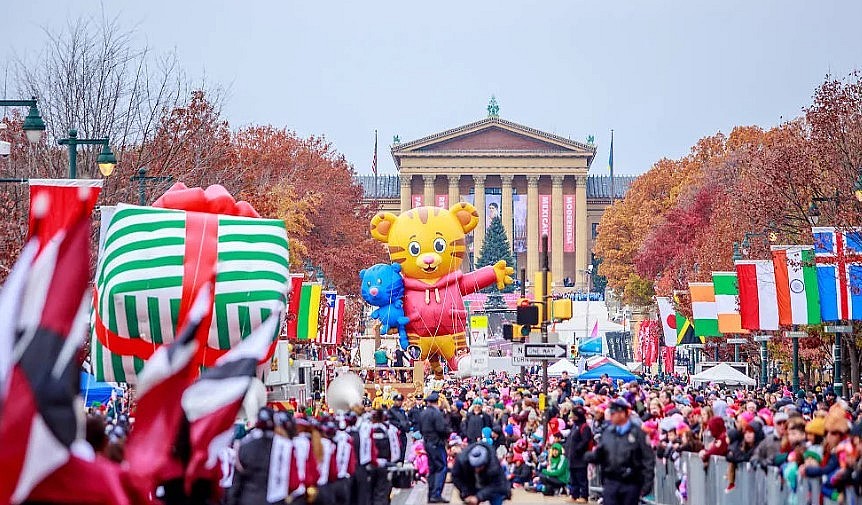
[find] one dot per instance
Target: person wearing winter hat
(766, 451)
(579, 442)
(475, 420)
(556, 476)
(521, 473)
(718, 446)
(626, 458)
(478, 476)
(836, 427)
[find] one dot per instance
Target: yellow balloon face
(428, 242)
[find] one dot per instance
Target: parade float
(154, 259)
(427, 247)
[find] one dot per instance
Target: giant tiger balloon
(429, 244)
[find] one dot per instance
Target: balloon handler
(429, 244)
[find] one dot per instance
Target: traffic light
(573, 350)
(527, 313)
(562, 309)
(525, 331)
(507, 331)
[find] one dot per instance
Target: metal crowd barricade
(707, 485)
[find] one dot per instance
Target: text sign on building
(545, 217)
(442, 201)
(417, 201)
(569, 223)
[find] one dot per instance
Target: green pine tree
(495, 248)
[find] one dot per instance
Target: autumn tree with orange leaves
(679, 221)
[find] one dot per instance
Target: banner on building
(519, 207)
(416, 201)
(544, 217)
(569, 223)
(493, 207)
(442, 201)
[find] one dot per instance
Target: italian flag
(704, 309)
(758, 300)
(309, 311)
(727, 302)
(796, 284)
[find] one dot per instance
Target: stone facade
(536, 181)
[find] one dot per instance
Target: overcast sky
(660, 73)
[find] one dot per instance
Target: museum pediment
(493, 135)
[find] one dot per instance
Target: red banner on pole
(545, 216)
(569, 223)
(417, 201)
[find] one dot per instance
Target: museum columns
(404, 181)
(428, 190)
(582, 253)
(454, 195)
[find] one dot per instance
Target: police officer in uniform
(398, 418)
(435, 431)
(415, 411)
(626, 458)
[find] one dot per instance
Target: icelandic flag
(839, 272)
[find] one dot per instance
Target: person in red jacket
(718, 447)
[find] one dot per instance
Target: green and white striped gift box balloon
(140, 276)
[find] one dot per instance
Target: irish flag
(796, 284)
(758, 300)
(704, 309)
(727, 302)
(309, 311)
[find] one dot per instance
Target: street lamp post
(142, 179)
(106, 160)
(34, 126)
(795, 336)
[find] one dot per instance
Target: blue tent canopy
(613, 371)
(95, 391)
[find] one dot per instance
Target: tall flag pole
(374, 167)
(611, 167)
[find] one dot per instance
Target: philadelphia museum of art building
(536, 181)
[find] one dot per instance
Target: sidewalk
(418, 494)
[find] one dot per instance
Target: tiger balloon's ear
(466, 215)
(381, 225)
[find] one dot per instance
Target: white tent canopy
(724, 374)
(585, 315)
(561, 366)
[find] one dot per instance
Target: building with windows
(537, 182)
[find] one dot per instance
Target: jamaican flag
(685, 331)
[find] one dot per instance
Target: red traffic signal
(528, 315)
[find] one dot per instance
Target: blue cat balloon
(383, 287)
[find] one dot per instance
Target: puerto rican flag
(332, 331)
(212, 403)
(839, 272)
